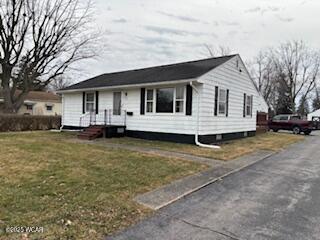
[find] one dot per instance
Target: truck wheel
(275, 130)
(296, 130)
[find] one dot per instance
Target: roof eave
(128, 86)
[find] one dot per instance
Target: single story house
(38, 103)
(209, 100)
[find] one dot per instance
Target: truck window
(276, 118)
(284, 118)
(295, 117)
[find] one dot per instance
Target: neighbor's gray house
(213, 99)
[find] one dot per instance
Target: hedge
(10, 122)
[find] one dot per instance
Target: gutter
(197, 122)
(128, 86)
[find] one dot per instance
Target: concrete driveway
(277, 198)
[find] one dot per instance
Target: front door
(117, 103)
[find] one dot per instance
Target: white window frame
(153, 101)
(246, 109)
(154, 107)
(225, 102)
(94, 101)
(183, 100)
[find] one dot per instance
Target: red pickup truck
(292, 123)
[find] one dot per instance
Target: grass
(229, 150)
(75, 190)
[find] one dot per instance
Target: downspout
(197, 122)
(62, 112)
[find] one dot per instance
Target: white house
(213, 99)
(314, 116)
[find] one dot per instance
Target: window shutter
(142, 100)
(244, 104)
(83, 102)
(227, 103)
(216, 101)
(97, 102)
(189, 101)
(251, 105)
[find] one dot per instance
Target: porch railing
(104, 117)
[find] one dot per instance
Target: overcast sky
(142, 33)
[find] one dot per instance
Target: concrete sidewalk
(170, 193)
(160, 152)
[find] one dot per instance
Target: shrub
(11, 122)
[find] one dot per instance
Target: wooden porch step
(91, 133)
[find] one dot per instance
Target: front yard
(229, 150)
(75, 190)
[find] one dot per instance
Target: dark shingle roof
(178, 71)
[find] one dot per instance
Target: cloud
(156, 41)
(270, 9)
(230, 23)
(171, 31)
(215, 23)
(181, 17)
(233, 33)
(120, 20)
(285, 19)
(164, 30)
(304, 2)
(262, 10)
(253, 10)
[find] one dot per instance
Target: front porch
(105, 117)
(107, 123)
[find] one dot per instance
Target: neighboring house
(314, 116)
(38, 103)
(214, 98)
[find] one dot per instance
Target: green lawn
(75, 190)
(229, 150)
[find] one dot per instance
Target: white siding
(71, 109)
(229, 77)
(262, 105)
(167, 123)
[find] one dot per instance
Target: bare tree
(286, 73)
(39, 40)
(298, 67)
(59, 82)
(263, 72)
(217, 51)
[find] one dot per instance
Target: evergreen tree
(303, 108)
(316, 100)
(283, 104)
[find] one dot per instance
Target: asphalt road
(276, 198)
